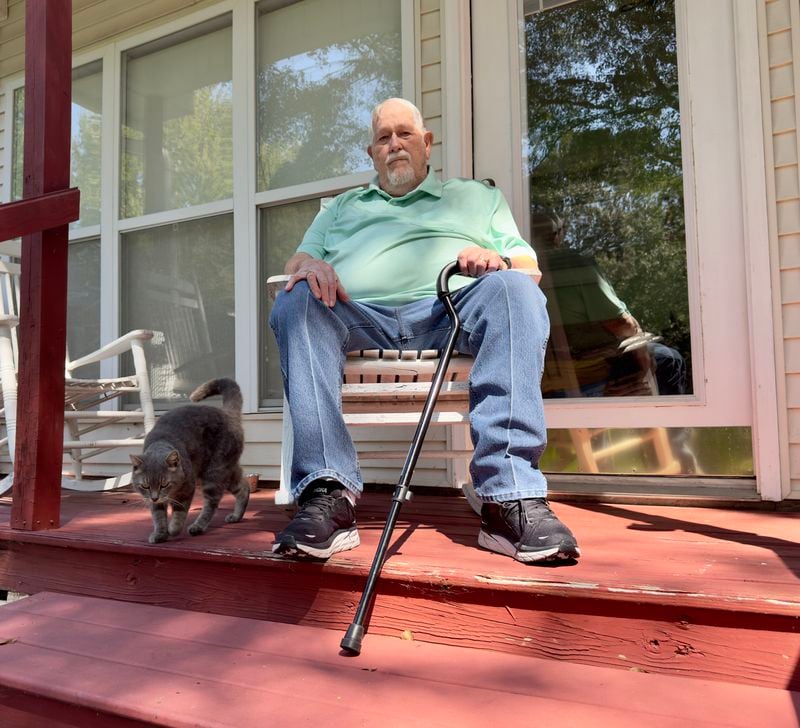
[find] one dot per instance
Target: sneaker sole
(342, 541)
(500, 545)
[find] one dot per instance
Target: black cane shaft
(352, 639)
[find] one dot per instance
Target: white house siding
(782, 30)
(429, 73)
(96, 22)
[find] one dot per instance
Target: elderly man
(364, 277)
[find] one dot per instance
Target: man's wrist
(507, 261)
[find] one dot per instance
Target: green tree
(604, 147)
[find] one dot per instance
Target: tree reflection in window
(316, 88)
(603, 151)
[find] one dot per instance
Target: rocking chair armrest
(9, 320)
(114, 348)
(275, 284)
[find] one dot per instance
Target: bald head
(399, 103)
(401, 146)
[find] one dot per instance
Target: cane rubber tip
(351, 642)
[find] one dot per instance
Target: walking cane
(351, 642)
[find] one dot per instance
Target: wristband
(507, 261)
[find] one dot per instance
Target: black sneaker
(324, 525)
(527, 530)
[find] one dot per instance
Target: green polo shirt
(389, 250)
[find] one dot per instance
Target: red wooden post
(43, 305)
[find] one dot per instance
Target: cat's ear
(136, 461)
(173, 460)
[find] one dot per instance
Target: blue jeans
(504, 327)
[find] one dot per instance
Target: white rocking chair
(83, 397)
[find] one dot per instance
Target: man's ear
(369, 151)
(428, 138)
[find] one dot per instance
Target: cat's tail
(231, 394)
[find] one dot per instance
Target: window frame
(245, 203)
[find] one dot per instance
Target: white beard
(400, 177)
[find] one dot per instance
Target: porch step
(692, 592)
(67, 660)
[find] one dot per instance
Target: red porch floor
(86, 662)
(700, 592)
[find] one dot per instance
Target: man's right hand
(321, 279)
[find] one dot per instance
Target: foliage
(195, 163)
(313, 109)
(604, 147)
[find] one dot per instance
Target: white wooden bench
(389, 387)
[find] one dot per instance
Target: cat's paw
(157, 537)
(175, 530)
(233, 518)
(195, 530)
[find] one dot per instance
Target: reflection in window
(87, 119)
(709, 451)
(177, 134)
(282, 228)
(83, 303)
(87, 122)
(321, 67)
(178, 280)
(603, 152)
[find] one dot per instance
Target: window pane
(282, 228)
(321, 67)
(178, 280)
(87, 119)
(717, 451)
(177, 134)
(83, 303)
(603, 151)
(87, 122)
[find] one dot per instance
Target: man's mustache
(394, 156)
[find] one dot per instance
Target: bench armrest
(275, 284)
(114, 348)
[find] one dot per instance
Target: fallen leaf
(407, 634)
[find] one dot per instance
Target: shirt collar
(429, 186)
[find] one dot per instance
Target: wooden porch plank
(690, 556)
(178, 669)
(665, 590)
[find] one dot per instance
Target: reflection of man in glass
(597, 347)
(364, 277)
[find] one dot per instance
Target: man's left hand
(476, 261)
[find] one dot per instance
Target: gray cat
(191, 443)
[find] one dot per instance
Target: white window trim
(295, 193)
(497, 23)
(245, 203)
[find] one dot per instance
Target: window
(83, 304)
(178, 279)
(87, 120)
(320, 69)
(177, 135)
(319, 72)
(177, 152)
(166, 237)
(282, 227)
(603, 154)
